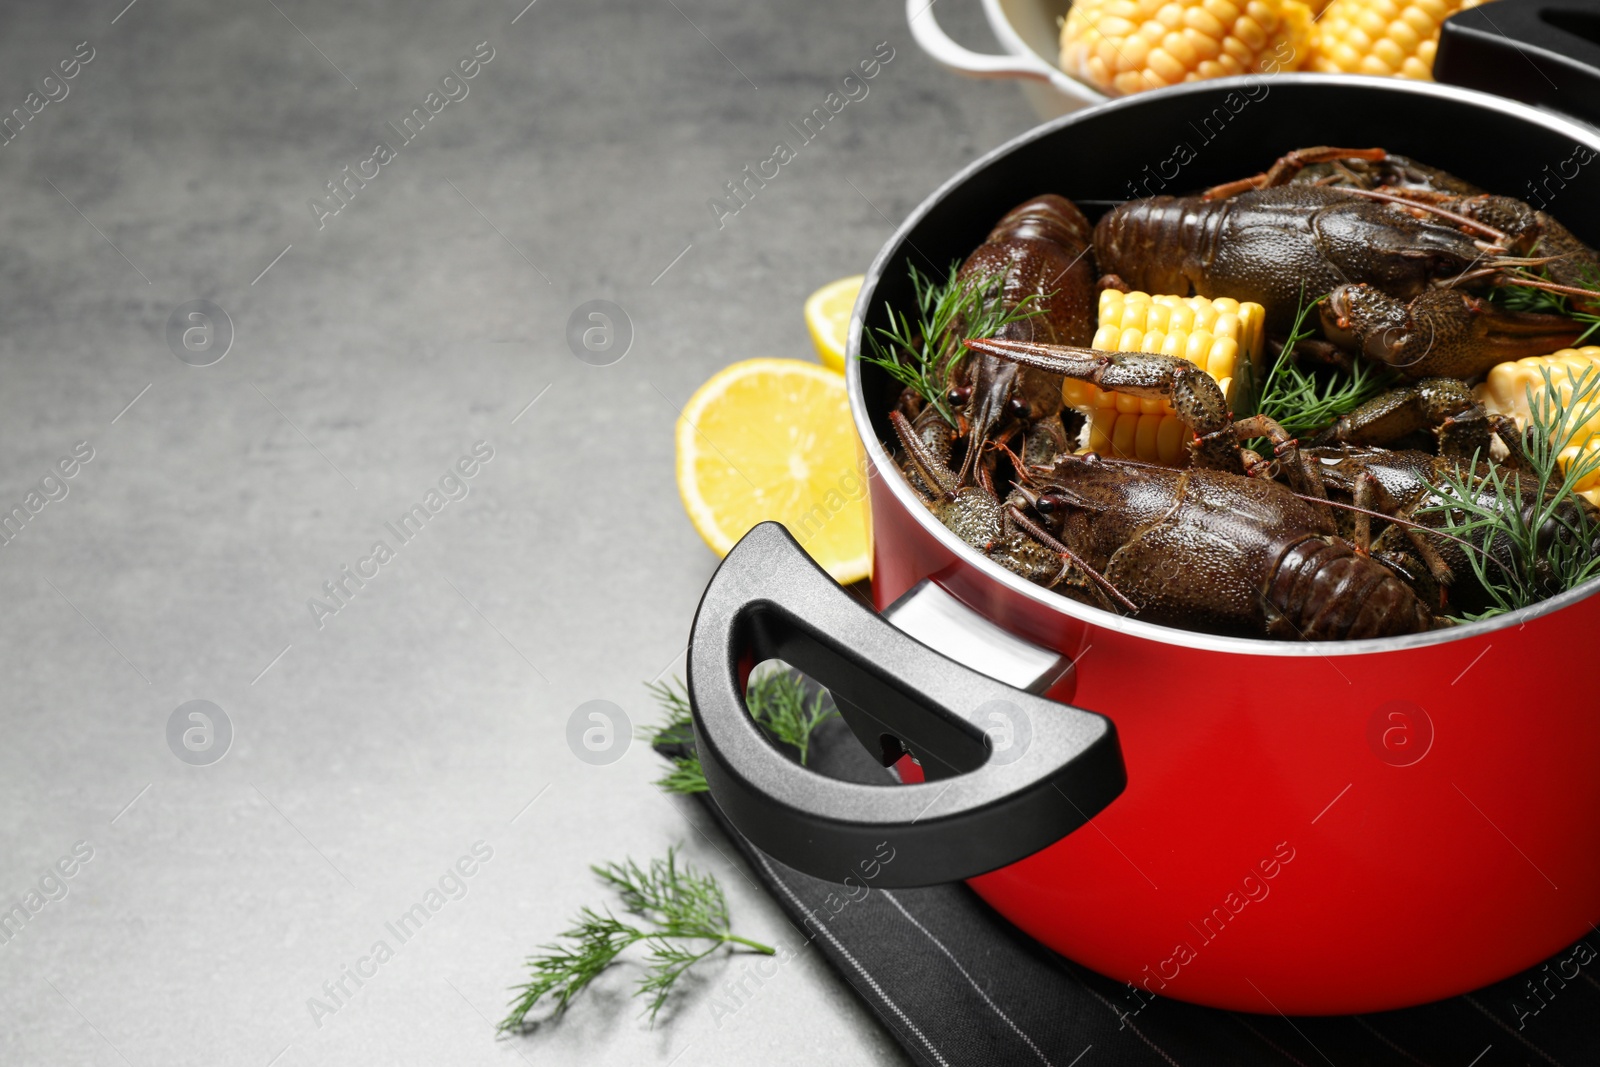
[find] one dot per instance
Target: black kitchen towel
(957, 985)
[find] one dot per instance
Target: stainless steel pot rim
(909, 499)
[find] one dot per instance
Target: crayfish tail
(1323, 590)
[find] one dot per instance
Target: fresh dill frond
(1523, 554)
(562, 971)
(921, 353)
(1304, 403)
(777, 701)
(685, 777)
(676, 909)
(677, 722)
(675, 730)
(1544, 302)
(680, 901)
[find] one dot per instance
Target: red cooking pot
(1255, 825)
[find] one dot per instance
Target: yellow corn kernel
(1098, 431)
(1508, 389)
(1222, 355)
(1389, 37)
(1144, 437)
(1221, 335)
(1197, 349)
(1123, 436)
(1169, 443)
(1181, 318)
(1125, 46)
(1157, 318)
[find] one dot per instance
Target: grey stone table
(183, 478)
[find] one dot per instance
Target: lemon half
(828, 318)
(773, 439)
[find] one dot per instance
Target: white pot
(1030, 33)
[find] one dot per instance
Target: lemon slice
(772, 439)
(828, 317)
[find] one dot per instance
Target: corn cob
(1124, 46)
(1506, 392)
(1222, 336)
(1397, 37)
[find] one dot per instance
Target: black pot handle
(1543, 52)
(976, 812)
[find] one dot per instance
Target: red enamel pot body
(1306, 828)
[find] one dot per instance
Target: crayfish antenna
(1471, 225)
(1496, 269)
(1043, 536)
(1406, 524)
(1550, 287)
(1016, 460)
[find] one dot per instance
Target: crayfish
(1038, 251)
(1388, 498)
(1348, 544)
(1208, 547)
(1348, 537)
(1401, 252)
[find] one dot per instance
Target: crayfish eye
(959, 395)
(1051, 502)
(1017, 406)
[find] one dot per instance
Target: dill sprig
(921, 353)
(677, 909)
(675, 730)
(1304, 404)
(1523, 554)
(1542, 301)
(685, 777)
(777, 701)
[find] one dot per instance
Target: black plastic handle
(977, 812)
(1538, 51)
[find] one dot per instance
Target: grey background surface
(372, 751)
